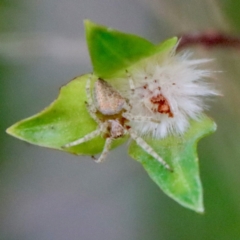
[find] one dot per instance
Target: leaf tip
(88, 23)
(200, 209)
(214, 127)
(196, 205)
(14, 131)
(90, 26)
(10, 130)
(174, 40)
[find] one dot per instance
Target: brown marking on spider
(162, 105)
(113, 124)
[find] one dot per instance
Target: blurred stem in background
(208, 39)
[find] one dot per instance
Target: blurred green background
(45, 194)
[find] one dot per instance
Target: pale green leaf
(183, 184)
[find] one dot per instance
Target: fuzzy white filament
(169, 88)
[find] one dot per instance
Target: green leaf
(183, 184)
(112, 51)
(64, 121)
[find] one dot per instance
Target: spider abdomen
(108, 101)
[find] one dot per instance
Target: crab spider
(108, 102)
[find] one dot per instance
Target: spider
(107, 102)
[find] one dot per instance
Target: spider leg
(89, 104)
(93, 114)
(139, 118)
(148, 148)
(86, 138)
(105, 150)
(88, 91)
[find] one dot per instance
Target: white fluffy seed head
(170, 88)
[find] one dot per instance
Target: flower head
(170, 88)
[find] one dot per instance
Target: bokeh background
(45, 194)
